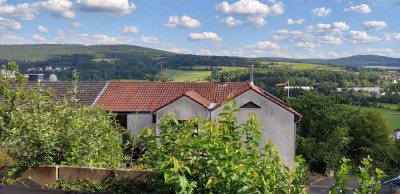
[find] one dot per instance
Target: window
(122, 119)
(250, 105)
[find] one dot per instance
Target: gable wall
(277, 123)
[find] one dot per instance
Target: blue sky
(251, 28)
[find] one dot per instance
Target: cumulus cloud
(330, 40)
(358, 37)
(42, 29)
(116, 7)
(76, 24)
(230, 21)
(205, 36)
(250, 7)
(87, 39)
(391, 36)
(24, 11)
(290, 21)
(374, 25)
(292, 36)
(149, 39)
(257, 21)
(255, 10)
(204, 52)
(38, 38)
(321, 12)
(306, 45)
(362, 8)
(184, 21)
(334, 28)
(378, 51)
(9, 25)
(12, 39)
(57, 8)
(263, 45)
(130, 29)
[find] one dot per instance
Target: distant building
(298, 87)
(35, 77)
(375, 90)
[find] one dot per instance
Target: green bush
(217, 157)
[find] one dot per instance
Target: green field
(391, 116)
(304, 66)
(195, 76)
(184, 75)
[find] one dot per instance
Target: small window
(250, 105)
(122, 119)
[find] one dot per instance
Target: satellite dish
(53, 78)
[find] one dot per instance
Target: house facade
(142, 104)
(139, 105)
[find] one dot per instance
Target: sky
(248, 28)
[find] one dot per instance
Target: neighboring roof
(150, 96)
(87, 91)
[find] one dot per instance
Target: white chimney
(251, 74)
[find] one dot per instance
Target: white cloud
(230, 21)
(263, 45)
(184, 21)
(257, 21)
(38, 38)
(321, 12)
(76, 24)
(391, 36)
(329, 40)
(362, 8)
(292, 36)
(42, 29)
(149, 40)
(334, 28)
(306, 45)
(8, 25)
(11, 39)
(378, 51)
(254, 9)
(23, 11)
(116, 7)
(374, 25)
(57, 8)
(250, 7)
(290, 21)
(87, 39)
(179, 50)
(361, 37)
(205, 36)
(130, 29)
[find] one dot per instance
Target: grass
(391, 116)
(183, 75)
(305, 66)
(195, 76)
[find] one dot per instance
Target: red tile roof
(150, 96)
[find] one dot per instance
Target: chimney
(222, 80)
(251, 74)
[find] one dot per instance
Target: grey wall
(185, 109)
(138, 121)
(277, 123)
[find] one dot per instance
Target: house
(141, 104)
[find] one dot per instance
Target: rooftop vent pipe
(251, 68)
(222, 80)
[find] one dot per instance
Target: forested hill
(357, 60)
(42, 52)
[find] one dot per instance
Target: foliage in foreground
(218, 157)
(36, 129)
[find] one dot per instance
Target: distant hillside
(42, 52)
(364, 60)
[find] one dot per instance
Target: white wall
(137, 121)
(277, 123)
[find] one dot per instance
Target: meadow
(389, 113)
(305, 66)
(200, 74)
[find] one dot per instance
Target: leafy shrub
(217, 157)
